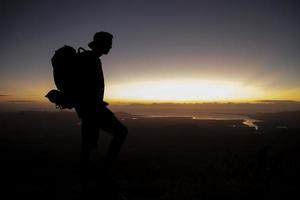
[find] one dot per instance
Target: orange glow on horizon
(188, 91)
(171, 91)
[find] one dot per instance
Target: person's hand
(105, 103)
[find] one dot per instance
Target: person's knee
(124, 132)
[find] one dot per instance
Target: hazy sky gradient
(252, 43)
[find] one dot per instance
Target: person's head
(102, 43)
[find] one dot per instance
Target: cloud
(4, 95)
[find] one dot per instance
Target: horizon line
(113, 101)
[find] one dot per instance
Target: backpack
(64, 63)
(60, 99)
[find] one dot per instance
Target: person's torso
(88, 79)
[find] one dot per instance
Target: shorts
(95, 118)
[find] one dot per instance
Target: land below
(163, 158)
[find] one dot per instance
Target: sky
(163, 51)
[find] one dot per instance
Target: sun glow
(182, 91)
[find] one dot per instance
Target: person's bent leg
(110, 123)
(119, 137)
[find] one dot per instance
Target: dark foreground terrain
(163, 158)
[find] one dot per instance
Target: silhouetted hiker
(91, 108)
(79, 79)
